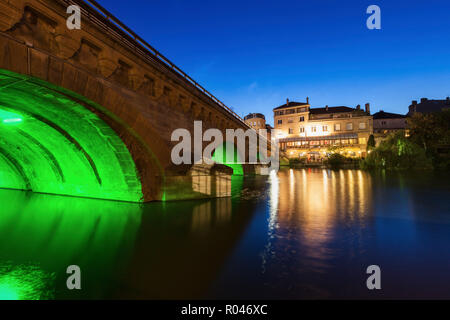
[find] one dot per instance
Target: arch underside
(229, 157)
(49, 143)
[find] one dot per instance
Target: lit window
(362, 141)
(349, 126)
(337, 127)
(313, 129)
(362, 125)
(325, 128)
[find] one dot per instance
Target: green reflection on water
(25, 282)
(41, 235)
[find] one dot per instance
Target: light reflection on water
(325, 227)
(306, 233)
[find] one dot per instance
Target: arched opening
(229, 157)
(50, 143)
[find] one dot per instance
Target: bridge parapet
(106, 47)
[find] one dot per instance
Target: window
(302, 129)
(290, 120)
(362, 141)
(383, 123)
(313, 129)
(302, 118)
(337, 127)
(362, 125)
(324, 128)
(167, 91)
(349, 126)
(280, 121)
(150, 82)
(291, 131)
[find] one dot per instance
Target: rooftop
(429, 105)
(338, 109)
(254, 115)
(292, 104)
(387, 115)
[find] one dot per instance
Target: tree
(397, 152)
(371, 143)
(432, 132)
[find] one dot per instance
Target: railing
(95, 12)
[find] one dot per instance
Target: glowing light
(7, 292)
(9, 117)
(13, 120)
(25, 282)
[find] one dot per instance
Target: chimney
(287, 102)
(368, 108)
(307, 100)
(414, 102)
(422, 100)
(358, 107)
(326, 107)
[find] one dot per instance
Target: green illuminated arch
(231, 159)
(50, 143)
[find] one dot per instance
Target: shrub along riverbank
(397, 152)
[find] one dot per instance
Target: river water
(296, 234)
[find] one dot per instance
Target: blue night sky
(254, 54)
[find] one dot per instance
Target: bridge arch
(53, 142)
(232, 159)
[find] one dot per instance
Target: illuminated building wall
(255, 120)
(312, 132)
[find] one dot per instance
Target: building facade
(314, 133)
(385, 123)
(256, 121)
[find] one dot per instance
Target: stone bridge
(90, 112)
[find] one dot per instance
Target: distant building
(427, 106)
(385, 123)
(256, 121)
(311, 132)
